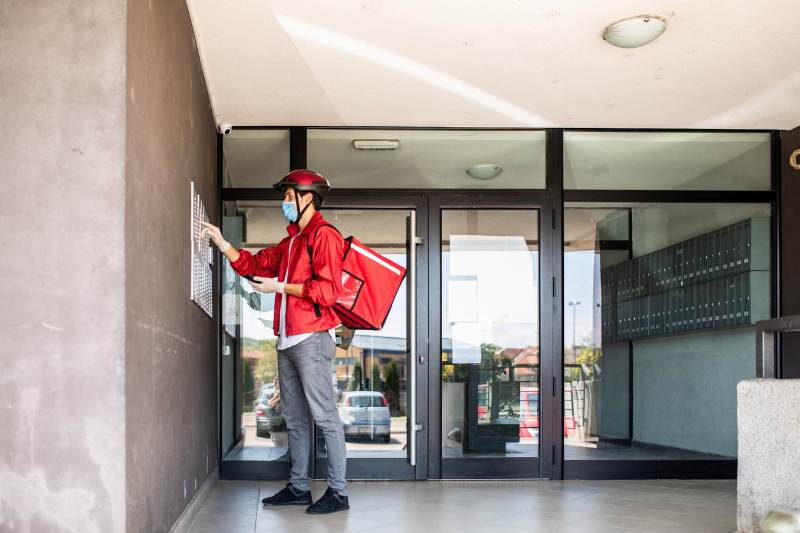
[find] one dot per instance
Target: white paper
(466, 338)
(462, 300)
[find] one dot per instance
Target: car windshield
(366, 401)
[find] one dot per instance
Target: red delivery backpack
(370, 283)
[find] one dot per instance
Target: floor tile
(658, 506)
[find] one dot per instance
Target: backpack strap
(311, 257)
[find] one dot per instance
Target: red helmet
(304, 180)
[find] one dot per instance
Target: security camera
(224, 128)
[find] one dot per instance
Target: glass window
(429, 159)
(667, 160)
(254, 158)
(490, 341)
(659, 306)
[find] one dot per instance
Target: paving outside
(703, 506)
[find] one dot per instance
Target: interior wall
(684, 389)
(62, 81)
(614, 389)
(171, 363)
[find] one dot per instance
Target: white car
(366, 414)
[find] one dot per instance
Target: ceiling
(452, 63)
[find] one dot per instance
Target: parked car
(529, 414)
(366, 414)
(267, 418)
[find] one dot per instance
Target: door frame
(394, 468)
(549, 324)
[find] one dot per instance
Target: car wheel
(387, 438)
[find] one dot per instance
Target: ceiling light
(486, 171)
(635, 31)
(376, 144)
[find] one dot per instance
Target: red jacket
(323, 290)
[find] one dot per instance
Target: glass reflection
(490, 333)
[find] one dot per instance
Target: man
(305, 325)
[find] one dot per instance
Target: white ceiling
(720, 64)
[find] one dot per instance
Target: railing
(766, 330)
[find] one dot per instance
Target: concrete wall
(684, 389)
(62, 99)
(769, 450)
(170, 365)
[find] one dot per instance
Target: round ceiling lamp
(485, 171)
(635, 31)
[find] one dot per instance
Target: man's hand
(216, 236)
(266, 285)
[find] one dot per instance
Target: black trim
(776, 305)
(501, 467)
(371, 468)
(298, 145)
(630, 196)
(239, 469)
(630, 342)
(683, 469)
(358, 292)
(487, 128)
(551, 314)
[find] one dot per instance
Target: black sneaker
(330, 502)
(288, 496)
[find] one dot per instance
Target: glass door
(489, 342)
(373, 371)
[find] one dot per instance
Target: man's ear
(309, 196)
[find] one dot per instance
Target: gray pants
(304, 371)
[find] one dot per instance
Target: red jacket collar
(316, 219)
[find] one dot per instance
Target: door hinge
(554, 286)
(554, 386)
(417, 427)
(554, 454)
(418, 240)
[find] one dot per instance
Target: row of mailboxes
(737, 248)
(735, 300)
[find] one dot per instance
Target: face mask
(290, 211)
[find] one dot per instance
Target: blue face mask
(289, 211)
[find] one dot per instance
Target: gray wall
(685, 389)
(170, 365)
(614, 391)
(62, 99)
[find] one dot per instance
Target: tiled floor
(485, 507)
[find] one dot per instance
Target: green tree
(355, 379)
(375, 382)
(392, 387)
(267, 363)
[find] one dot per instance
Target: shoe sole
(328, 512)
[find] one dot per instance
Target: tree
(355, 379)
(248, 386)
(267, 363)
(392, 386)
(375, 382)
